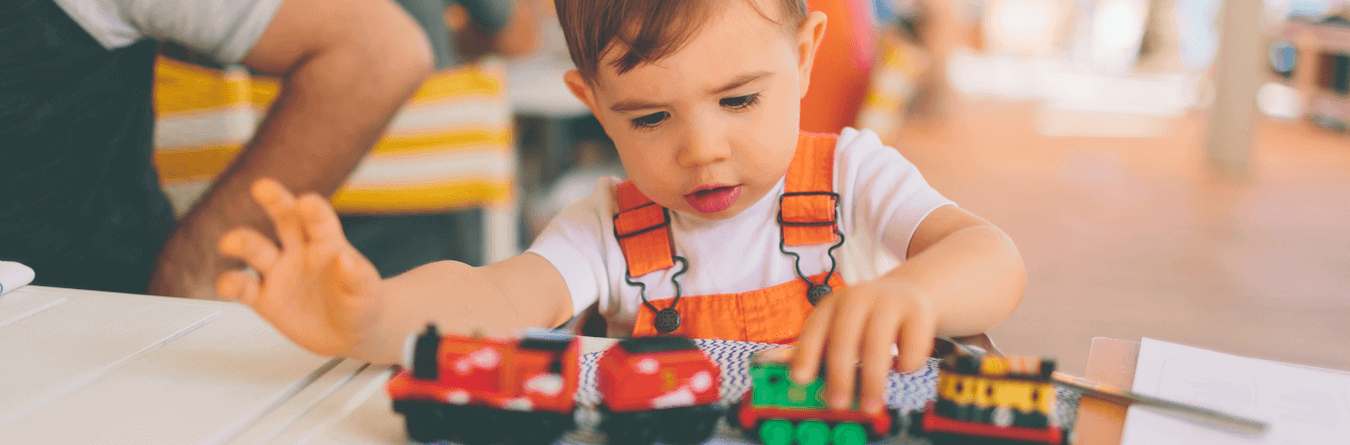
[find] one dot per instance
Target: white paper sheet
(1303, 405)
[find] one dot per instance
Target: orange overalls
(808, 215)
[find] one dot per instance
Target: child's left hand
(865, 320)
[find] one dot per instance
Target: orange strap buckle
(809, 209)
(643, 230)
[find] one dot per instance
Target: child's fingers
(841, 358)
(811, 342)
(355, 288)
(354, 279)
(280, 206)
(239, 286)
(251, 247)
(881, 333)
(319, 220)
(916, 337)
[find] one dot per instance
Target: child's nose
(701, 149)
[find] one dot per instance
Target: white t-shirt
(883, 198)
(225, 30)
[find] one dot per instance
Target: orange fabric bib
(808, 215)
(772, 315)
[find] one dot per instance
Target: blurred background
(1173, 169)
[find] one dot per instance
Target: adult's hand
(347, 67)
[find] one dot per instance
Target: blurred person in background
(82, 203)
(459, 32)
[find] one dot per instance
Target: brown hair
(651, 29)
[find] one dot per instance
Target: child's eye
(740, 102)
(650, 120)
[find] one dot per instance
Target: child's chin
(729, 212)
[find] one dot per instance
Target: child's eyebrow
(739, 81)
(639, 104)
(633, 105)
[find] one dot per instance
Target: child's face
(709, 130)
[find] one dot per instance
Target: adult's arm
(347, 66)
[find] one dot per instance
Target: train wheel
(536, 428)
(482, 426)
(775, 432)
(813, 432)
(848, 433)
(424, 424)
(690, 426)
(454, 420)
(629, 428)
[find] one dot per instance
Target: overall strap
(643, 230)
(808, 210)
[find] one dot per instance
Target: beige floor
(1134, 237)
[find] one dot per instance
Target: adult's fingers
(280, 206)
(881, 334)
(811, 342)
(251, 247)
(320, 221)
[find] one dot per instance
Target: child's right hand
(316, 289)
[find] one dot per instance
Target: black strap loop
(797, 262)
(642, 293)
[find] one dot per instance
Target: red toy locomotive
(481, 391)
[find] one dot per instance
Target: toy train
(522, 391)
(779, 411)
(483, 391)
(658, 388)
(991, 399)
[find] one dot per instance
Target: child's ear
(808, 41)
(583, 91)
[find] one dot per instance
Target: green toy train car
(781, 412)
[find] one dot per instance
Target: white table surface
(95, 367)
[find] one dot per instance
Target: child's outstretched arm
(324, 295)
(962, 277)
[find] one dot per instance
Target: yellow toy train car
(991, 399)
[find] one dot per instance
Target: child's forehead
(730, 24)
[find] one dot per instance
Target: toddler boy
(734, 224)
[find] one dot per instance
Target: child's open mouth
(713, 199)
